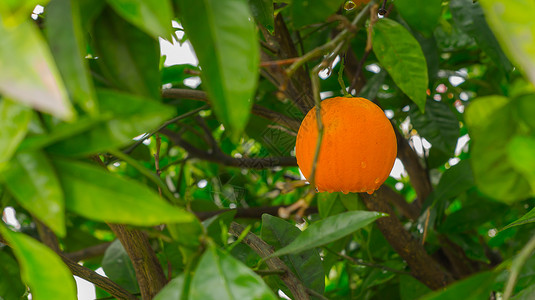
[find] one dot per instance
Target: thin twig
(516, 267)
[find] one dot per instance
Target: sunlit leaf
(14, 120)
(521, 154)
(153, 16)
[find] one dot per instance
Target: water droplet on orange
(370, 191)
(363, 164)
(376, 180)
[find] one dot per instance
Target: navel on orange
(358, 149)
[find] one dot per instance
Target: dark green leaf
(129, 58)
(262, 11)
(529, 217)
(373, 86)
(217, 226)
(525, 294)
(14, 120)
(32, 180)
(471, 216)
(172, 290)
(176, 74)
(306, 12)
(220, 276)
(154, 17)
(124, 117)
(438, 125)
(468, 15)
(400, 54)
(119, 268)
(329, 204)
(11, 287)
(453, 182)
(41, 269)
(329, 229)
(229, 74)
(307, 266)
(476, 287)
(422, 15)
(29, 74)
(410, 288)
(68, 45)
(97, 194)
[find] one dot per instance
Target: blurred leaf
(512, 21)
(373, 86)
(32, 180)
(129, 58)
(400, 54)
(154, 17)
(521, 154)
(471, 216)
(119, 268)
(329, 229)
(306, 12)
(422, 15)
(529, 217)
(307, 266)
(525, 294)
(14, 12)
(262, 11)
(187, 235)
(14, 120)
(176, 74)
(453, 182)
(468, 15)
(491, 125)
(124, 117)
(524, 107)
(217, 224)
(11, 287)
(29, 74)
(410, 288)
(220, 276)
(172, 290)
(438, 125)
(41, 269)
(97, 194)
(475, 287)
(229, 74)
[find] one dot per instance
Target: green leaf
(172, 290)
(306, 12)
(124, 117)
(94, 193)
(29, 74)
(176, 74)
(307, 266)
(521, 153)
(262, 11)
(438, 125)
(529, 217)
(330, 229)
(329, 204)
(11, 287)
(41, 269)
(491, 124)
(217, 226)
(472, 216)
(33, 181)
(128, 58)
(512, 22)
(14, 12)
(220, 276)
(468, 16)
(401, 55)
(68, 45)
(411, 288)
(14, 120)
(525, 294)
(422, 15)
(229, 74)
(118, 267)
(476, 287)
(154, 17)
(455, 181)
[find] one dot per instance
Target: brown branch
(399, 202)
(227, 160)
(423, 267)
(258, 110)
(250, 212)
(88, 252)
(264, 250)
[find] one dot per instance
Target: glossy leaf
(154, 17)
(172, 290)
(468, 15)
(128, 57)
(67, 42)
(29, 74)
(220, 276)
(41, 269)
(476, 287)
(11, 286)
(14, 120)
(306, 12)
(492, 124)
(307, 266)
(32, 180)
(229, 75)
(401, 55)
(262, 11)
(512, 21)
(124, 117)
(329, 229)
(438, 125)
(118, 267)
(97, 194)
(422, 15)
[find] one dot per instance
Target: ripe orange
(358, 149)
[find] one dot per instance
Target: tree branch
(88, 252)
(250, 212)
(264, 250)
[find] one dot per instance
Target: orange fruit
(358, 149)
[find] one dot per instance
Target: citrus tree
(111, 159)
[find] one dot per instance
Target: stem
(516, 267)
